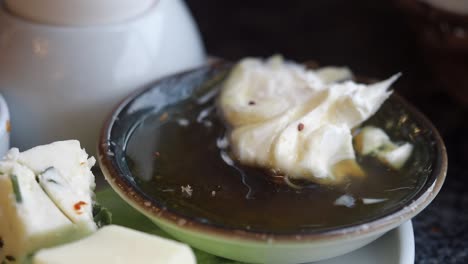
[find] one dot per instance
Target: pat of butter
(295, 120)
(114, 245)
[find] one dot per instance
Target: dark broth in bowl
(176, 159)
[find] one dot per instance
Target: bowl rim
(381, 224)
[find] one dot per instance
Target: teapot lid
(78, 12)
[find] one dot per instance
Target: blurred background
(426, 42)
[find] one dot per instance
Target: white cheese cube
(63, 170)
(374, 141)
(29, 220)
(116, 244)
(397, 157)
(45, 198)
(370, 139)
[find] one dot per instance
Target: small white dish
(395, 247)
(4, 127)
(61, 81)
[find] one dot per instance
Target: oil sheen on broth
(178, 158)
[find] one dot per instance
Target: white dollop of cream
(295, 120)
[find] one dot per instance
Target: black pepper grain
(300, 127)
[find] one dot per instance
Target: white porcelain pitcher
(65, 64)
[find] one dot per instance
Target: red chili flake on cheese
(300, 127)
(78, 206)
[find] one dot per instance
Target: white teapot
(64, 64)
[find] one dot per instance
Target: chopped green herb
(3, 261)
(16, 189)
(29, 257)
(102, 216)
(48, 168)
(383, 148)
(49, 176)
(52, 181)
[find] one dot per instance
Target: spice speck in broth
(164, 117)
(186, 190)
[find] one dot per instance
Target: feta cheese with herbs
(30, 217)
(64, 172)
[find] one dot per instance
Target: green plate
(124, 215)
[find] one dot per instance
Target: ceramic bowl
(5, 127)
(61, 81)
(262, 247)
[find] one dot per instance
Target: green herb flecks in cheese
(29, 219)
(16, 189)
(102, 216)
(67, 198)
(45, 198)
(63, 170)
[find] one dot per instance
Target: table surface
(374, 39)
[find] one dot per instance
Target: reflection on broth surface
(179, 157)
